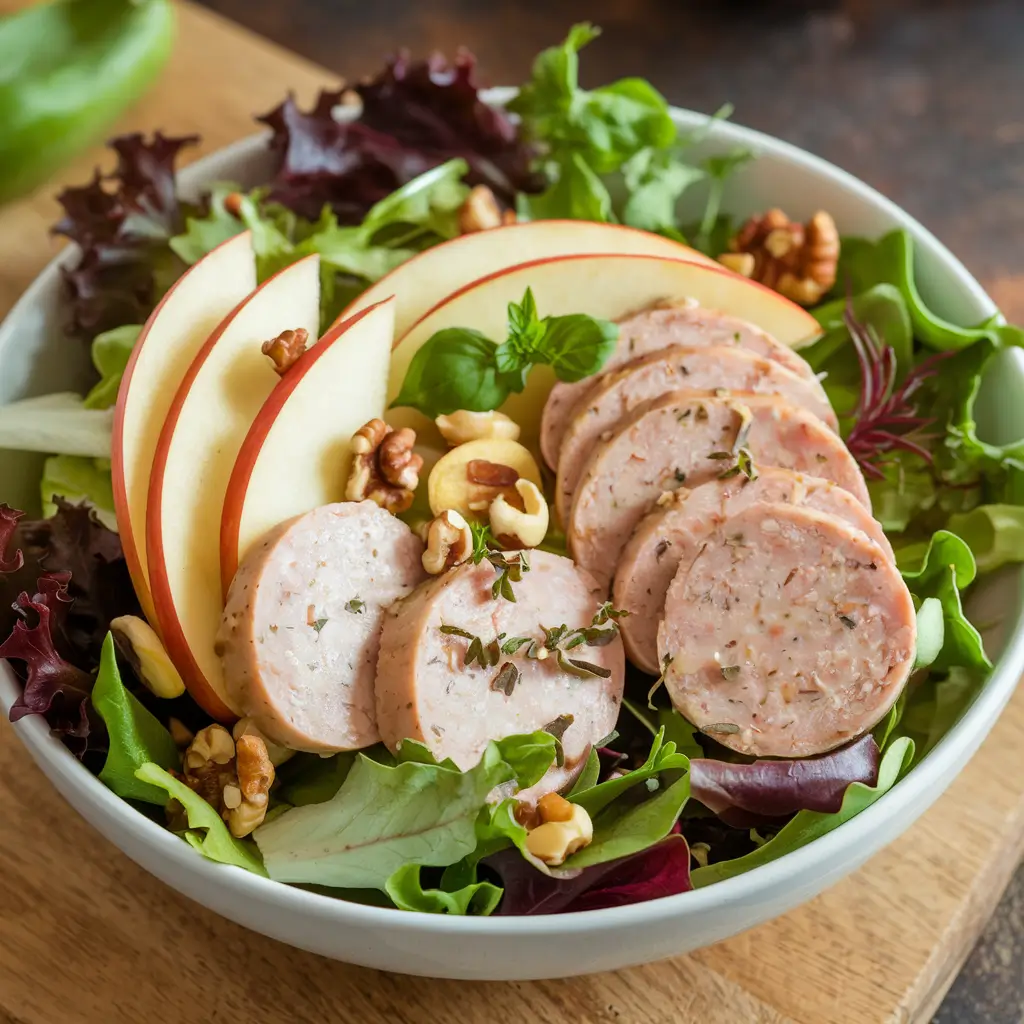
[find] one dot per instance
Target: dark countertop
(924, 99)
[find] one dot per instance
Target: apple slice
(429, 278)
(297, 456)
(216, 404)
(193, 307)
(604, 286)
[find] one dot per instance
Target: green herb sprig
(460, 368)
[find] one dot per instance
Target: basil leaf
(455, 369)
(577, 345)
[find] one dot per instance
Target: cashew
(141, 648)
(449, 542)
(277, 754)
(553, 841)
(463, 425)
(520, 529)
(470, 477)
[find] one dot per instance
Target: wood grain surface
(88, 937)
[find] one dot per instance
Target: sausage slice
(658, 328)
(790, 634)
(301, 629)
(713, 368)
(426, 691)
(688, 437)
(671, 535)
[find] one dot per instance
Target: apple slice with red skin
(602, 285)
(297, 454)
(428, 279)
(210, 416)
(172, 335)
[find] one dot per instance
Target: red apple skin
(812, 324)
(129, 542)
(238, 484)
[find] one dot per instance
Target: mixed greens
(671, 808)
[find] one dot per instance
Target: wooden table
(88, 937)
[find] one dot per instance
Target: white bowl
(36, 359)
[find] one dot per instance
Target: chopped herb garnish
(510, 570)
(355, 606)
(483, 541)
(319, 624)
(730, 672)
(744, 465)
(607, 611)
(512, 645)
(720, 456)
(725, 728)
(458, 631)
(701, 414)
(659, 682)
(848, 622)
(557, 729)
(580, 668)
(680, 476)
(506, 679)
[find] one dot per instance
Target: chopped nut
(233, 203)
(554, 807)
(553, 841)
(141, 648)
(385, 469)
(462, 426)
(480, 211)
(284, 350)
(516, 529)
(277, 754)
(234, 778)
(180, 733)
(797, 260)
(449, 542)
(471, 476)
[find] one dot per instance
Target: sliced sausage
(703, 369)
(790, 634)
(688, 437)
(301, 629)
(426, 691)
(658, 328)
(671, 534)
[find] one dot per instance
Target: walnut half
(385, 469)
(232, 777)
(284, 350)
(797, 260)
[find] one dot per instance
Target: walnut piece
(449, 542)
(796, 260)
(480, 212)
(232, 777)
(285, 349)
(385, 469)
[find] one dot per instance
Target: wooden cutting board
(86, 936)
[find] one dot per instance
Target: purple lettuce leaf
(8, 524)
(415, 115)
(661, 870)
(122, 222)
(53, 687)
(748, 795)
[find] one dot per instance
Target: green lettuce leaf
(994, 533)
(110, 354)
(312, 779)
(77, 479)
(807, 826)
(207, 832)
(931, 632)
(587, 779)
(479, 899)
(936, 706)
(382, 818)
(655, 180)
(577, 193)
(662, 757)
(942, 571)
(136, 736)
(58, 423)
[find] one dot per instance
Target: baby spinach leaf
(312, 779)
(994, 533)
(529, 755)
(136, 736)
(207, 832)
(405, 888)
(622, 834)
(587, 779)
(382, 818)
(807, 826)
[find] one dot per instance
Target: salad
(450, 528)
